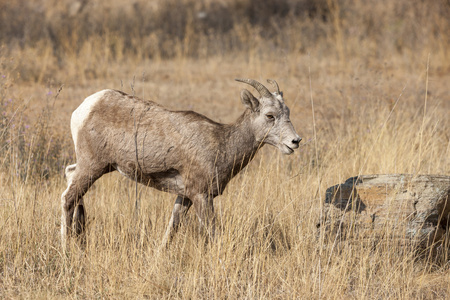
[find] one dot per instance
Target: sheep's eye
(270, 117)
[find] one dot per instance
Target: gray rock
(412, 208)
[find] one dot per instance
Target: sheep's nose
(296, 141)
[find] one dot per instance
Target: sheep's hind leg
(73, 218)
(79, 218)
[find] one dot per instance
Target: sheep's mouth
(287, 150)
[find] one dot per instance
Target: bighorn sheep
(181, 152)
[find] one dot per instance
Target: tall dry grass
(376, 78)
(79, 41)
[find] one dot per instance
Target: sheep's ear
(249, 100)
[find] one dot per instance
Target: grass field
(368, 89)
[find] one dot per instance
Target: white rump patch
(82, 112)
(69, 172)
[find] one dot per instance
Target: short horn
(262, 90)
(275, 85)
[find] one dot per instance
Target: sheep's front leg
(180, 210)
(204, 209)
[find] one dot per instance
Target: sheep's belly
(168, 181)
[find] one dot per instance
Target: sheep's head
(270, 117)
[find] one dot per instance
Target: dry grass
(381, 105)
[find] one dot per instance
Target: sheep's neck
(240, 144)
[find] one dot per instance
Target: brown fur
(181, 152)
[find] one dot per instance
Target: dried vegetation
(375, 74)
